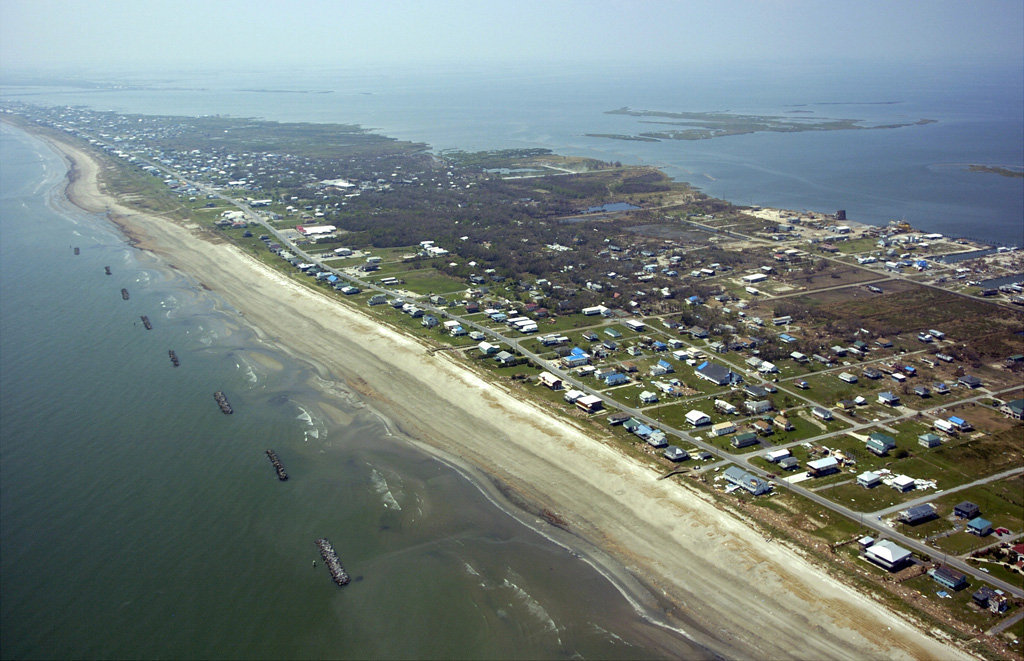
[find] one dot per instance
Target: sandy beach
(678, 557)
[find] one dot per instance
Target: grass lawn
(959, 604)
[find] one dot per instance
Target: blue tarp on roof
(957, 421)
(664, 363)
(576, 351)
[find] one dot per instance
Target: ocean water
(138, 521)
(917, 173)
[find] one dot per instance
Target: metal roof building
(752, 483)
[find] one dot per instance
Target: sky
(70, 35)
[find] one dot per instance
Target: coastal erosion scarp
(715, 569)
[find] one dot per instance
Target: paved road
(1005, 624)
(924, 499)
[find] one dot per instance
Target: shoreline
(656, 530)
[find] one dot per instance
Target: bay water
(138, 521)
(916, 173)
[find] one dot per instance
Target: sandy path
(749, 598)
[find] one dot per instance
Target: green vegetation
(706, 125)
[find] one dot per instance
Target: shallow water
(139, 521)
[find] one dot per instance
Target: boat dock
(145, 322)
(331, 560)
(124, 294)
(174, 357)
(222, 402)
(281, 474)
(106, 269)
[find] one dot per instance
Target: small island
(1001, 170)
(707, 125)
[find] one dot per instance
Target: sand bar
(714, 576)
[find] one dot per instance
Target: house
(945, 426)
(880, 444)
(1013, 409)
(724, 407)
(917, 514)
(505, 358)
(762, 427)
(576, 358)
(662, 367)
(648, 397)
(618, 419)
(429, 321)
(615, 379)
(988, 598)
(723, 429)
(969, 381)
(741, 478)
(821, 414)
(590, 403)
(922, 391)
(696, 418)
(789, 463)
(871, 373)
(656, 438)
(550, 380)
(884, 343)
(783, 423)
(966, 510)
(717, 374)
(869, 480)
(960, 423)
(745, 440)
(929, 440)
(949, 578)
(822, 467)
(674, 453)
(888, 399)
(887, 555)
(634, 325)
(940, 388)
(847, 377)
(757, 392)
(488, 349)
(902, 483)
(979, 526)
(775, 456)
(572, 395)
(612, 333)
(758, 406)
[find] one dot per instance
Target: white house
(696, 418)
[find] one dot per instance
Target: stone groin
(145, 322)
(222, 402)
(330, 557)
(124, 294)
(174, 357)
(278, 466)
